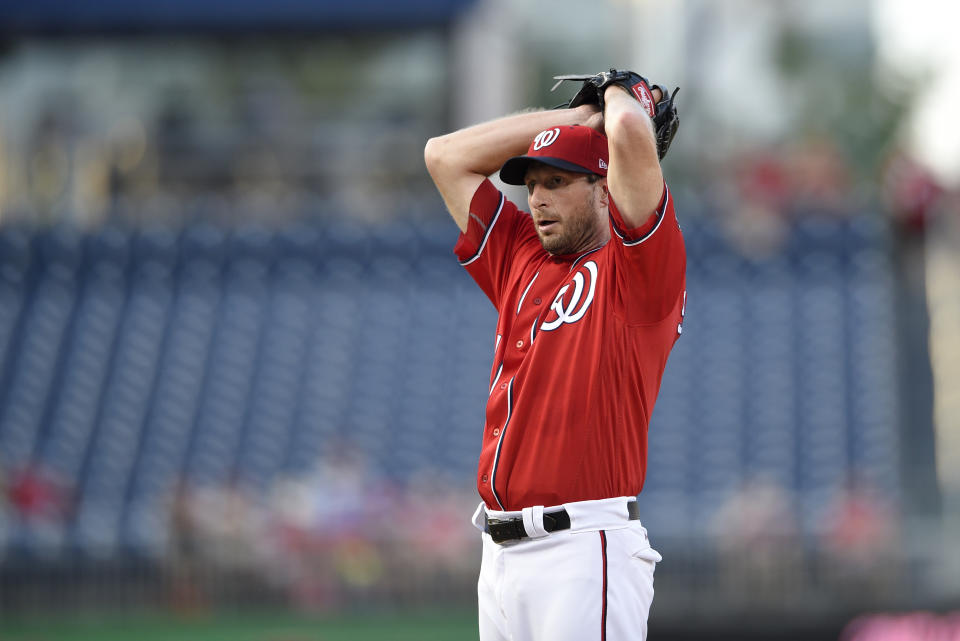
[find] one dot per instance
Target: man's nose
(539, 195)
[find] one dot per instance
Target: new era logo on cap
(572, 147)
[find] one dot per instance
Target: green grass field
(419, 626)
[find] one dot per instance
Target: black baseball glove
(666, 121)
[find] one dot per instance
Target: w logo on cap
(546, 138)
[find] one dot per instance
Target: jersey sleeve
(651, 262)
(497, 235)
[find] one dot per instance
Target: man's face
(569, 212)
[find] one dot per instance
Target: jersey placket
(522, 331)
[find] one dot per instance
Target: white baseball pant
(591, 582)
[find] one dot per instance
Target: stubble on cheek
(574, 235)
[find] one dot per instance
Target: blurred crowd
(338, 534)
(342, 533)
(169, 170)
(154, 133)
(321, 540)
(284, 141)
(758, 193)
(165, 168)
(765, 550)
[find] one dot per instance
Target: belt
(502, 530)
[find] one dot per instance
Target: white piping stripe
(496, 378)
(525, 292)
(496, 458)
(486, 236)
(662, 214)
(533, 328)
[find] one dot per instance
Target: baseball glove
(666, 121)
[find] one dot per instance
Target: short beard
(577, 237)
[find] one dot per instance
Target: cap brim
(515, 170)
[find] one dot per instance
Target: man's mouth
(545, 224)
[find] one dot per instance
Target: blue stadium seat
(32, 366)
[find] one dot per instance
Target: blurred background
(242, 377)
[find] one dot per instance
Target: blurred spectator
(433, 520)
(231, 523)
(913, 198)
(37, 496)
(820, 179)
(326, 538)
(763, 178)
(910, 192)
(48, 164)
(325, 525)
(754, 219)
(860, 525)
(184, 559)
(771, 186)
(759, 539)
(218, 534)
(860, 539)
(4, 510)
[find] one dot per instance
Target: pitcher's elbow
(628, 124)
(433, 154)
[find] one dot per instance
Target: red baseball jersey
(581, 345)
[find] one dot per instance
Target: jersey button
(520, 344)
(503, 386)
(484, 478)
(537, 301)
(496, 431)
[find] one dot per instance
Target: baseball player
(590, 291)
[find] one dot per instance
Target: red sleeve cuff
(631, 234)
(485, 206)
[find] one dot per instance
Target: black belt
(501, 530)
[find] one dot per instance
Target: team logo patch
(642, 92)
(546, 138)
(570, 309)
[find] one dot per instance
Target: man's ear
(604, 193)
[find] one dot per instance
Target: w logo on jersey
(571, 309)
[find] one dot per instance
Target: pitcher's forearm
(635, 179)
(459, 161)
